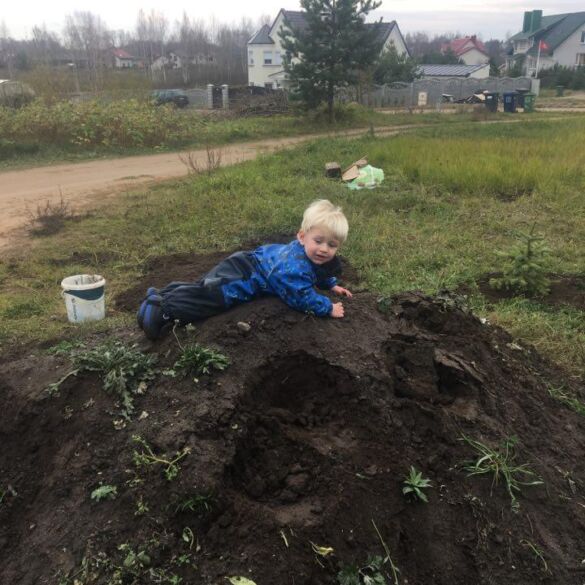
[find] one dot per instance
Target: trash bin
(510, 101)
(529, 100)
(560, 90)
(520, 97)
(491, 101)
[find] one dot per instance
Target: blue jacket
(284, 270)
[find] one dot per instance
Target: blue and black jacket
(281, 270)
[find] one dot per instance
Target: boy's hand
(339, 290)
(337, 311)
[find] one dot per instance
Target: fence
(407, 94)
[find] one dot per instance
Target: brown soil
(565, 289)
(306, 437)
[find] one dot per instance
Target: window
(268, 85)
(267, 57)
(277, 58)
(250, 57)
(580, 59)
(583, 36)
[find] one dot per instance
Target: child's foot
(155, 323)
(140, 315)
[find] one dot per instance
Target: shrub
(525, 266)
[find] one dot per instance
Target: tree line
(213, 51)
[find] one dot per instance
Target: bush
(91, 124)
(525, 266)
(572, 78)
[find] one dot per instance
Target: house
(545, 41)
(480, 71)
(121, 59)
(265, 51)
(469, 50)
(178, 60)
(170, 60)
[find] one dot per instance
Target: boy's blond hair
(322, 213)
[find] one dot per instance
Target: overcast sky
(487, 18)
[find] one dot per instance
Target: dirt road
(87, 184)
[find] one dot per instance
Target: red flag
(543, 46)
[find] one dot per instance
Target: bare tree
(6, 48)
(87, 37)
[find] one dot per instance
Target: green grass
(452, 197)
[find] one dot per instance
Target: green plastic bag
(369, 178)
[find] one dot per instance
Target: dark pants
(193, 301)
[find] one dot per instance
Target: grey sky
(489, 19)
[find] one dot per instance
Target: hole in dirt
(423, 371)
(295, 405)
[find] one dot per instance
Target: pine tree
(329, 52)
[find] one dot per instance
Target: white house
(265, 51)
(123, 60)
(469, 50)
(561, 38)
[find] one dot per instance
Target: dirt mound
(305, 439)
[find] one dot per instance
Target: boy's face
(320, 246)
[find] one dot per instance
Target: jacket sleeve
(327, 283)
(296, 289)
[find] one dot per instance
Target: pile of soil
(305, 438)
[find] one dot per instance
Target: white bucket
(84, 297)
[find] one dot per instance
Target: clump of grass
(124, 371)
(559, 393)
(415, 483)
(49, 218)
(500, 463)
(524, 271)
(199, 503)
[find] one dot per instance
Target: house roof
(554, 30)
(450, 70)
(464, 45)
(121, 54)
(296, 20)
(262, 37)
(559, 32)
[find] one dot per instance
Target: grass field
(451, 199)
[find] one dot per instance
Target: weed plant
(124, 371)
(197, 360)
(145, 457)
(415, 484)
(198, 503)
(104, 492)
(501, 465)
(49, 218)
(371, 573)
(524, 271)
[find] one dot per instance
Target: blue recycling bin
(510, 101)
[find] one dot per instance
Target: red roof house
(470, 50)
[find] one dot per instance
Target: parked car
(170, 96)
